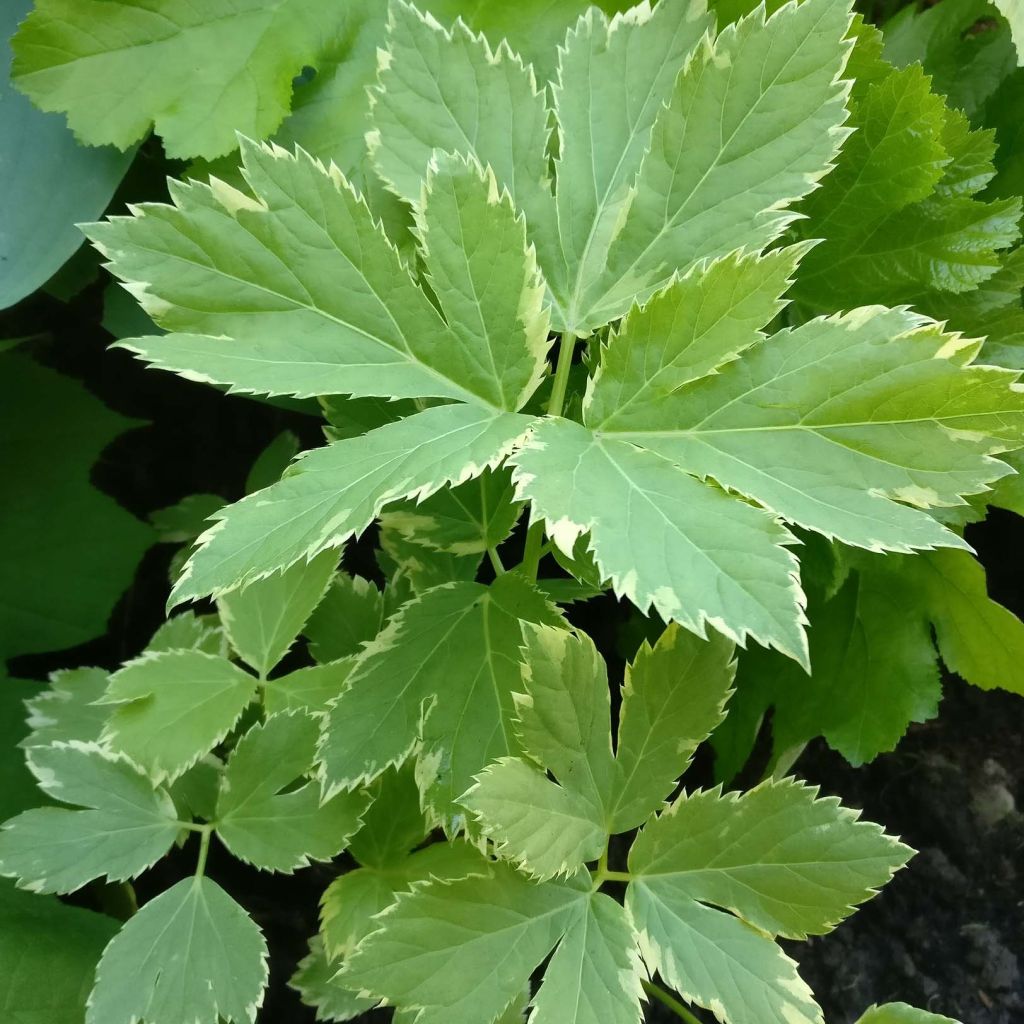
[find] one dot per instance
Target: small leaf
(462, 951)
(673, 697)
(190, 954)
(901, 1013)
(596, 973)
(350, 615)
(716, 961)
(65, 711)
(309, 689)
(263, 619)
(172, 707)
(337, 491)
(315, 979)
(125, 827)
(275, 830)
(784, 861)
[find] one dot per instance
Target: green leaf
(350, 615)
(271, 463)
(196, 792)
(310, 689)
(172, 707)
(393, 824)
(662, 537)
(263, 619)
(463, 520)
(873, 668)
(613, 78)
(350, 905)
(784, 861)
(116, 72)
(462, 951)
(485, 279)
(687, 332)
(546, 829)
(186, 519)
(979, 639)
(873, 395)
(65, 710)
(69, 550)
(337, 491)
(595, 975)
(752, 123)
(442, 673)
(966, 65)
(127, 825)
(433, 86)
(404, 557)
(901, 1013)
(48, 953)
(316, 982)
(189, 632)
(719, 962)
(19, 790)
(673, 697)
(261, 819)
(39, 232)
(297, 292)
(192, 953)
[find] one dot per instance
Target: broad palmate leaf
(701, 438)
(776, 860)
(124, 825)
(190, 954)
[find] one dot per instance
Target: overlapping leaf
(192, 953)
(441, 675)
(780, 860)
(123, 826)
(262, 818)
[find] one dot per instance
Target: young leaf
(117, 71)
(349, 908)
(978, 639)
(172, 707)
(753, 122)
(662, 537)
(784, 861)
(595, 974)
(272, 829)
(350, 615)
(125, 826)
(393, 824)
(485, 278)
(65, 710)
(613, 78)
(463, 520)
(434, 87)
(189, 632)
(715, 960)
(686, 332)
(263, 619)
(461, 951)
(315, 979)
(337, 491)
(298, 292)
(442, 673)
(308, 689)
(673, 697)
(190, 954)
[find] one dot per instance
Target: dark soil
(947, 934)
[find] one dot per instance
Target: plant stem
(492, 554)
(535, 535)
(566, 346)
(670, 1001)
(204, 849)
